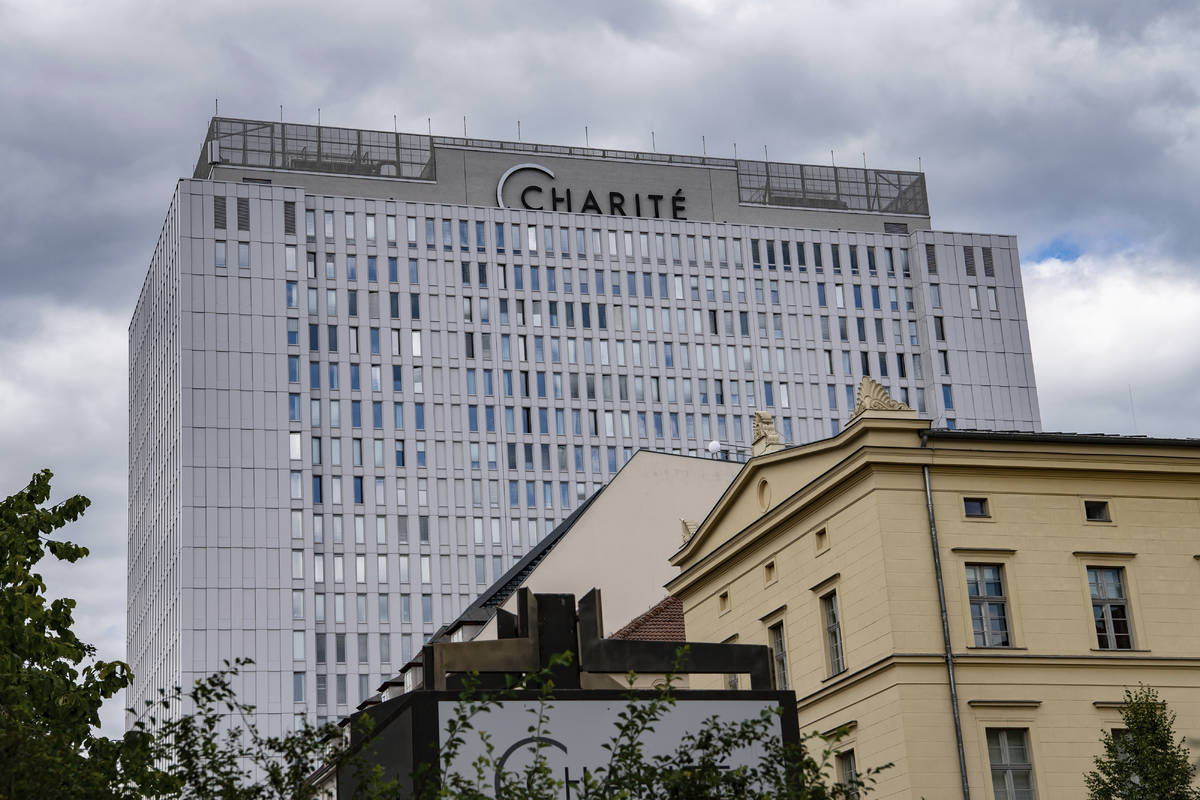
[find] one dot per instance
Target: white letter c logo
(509, 172)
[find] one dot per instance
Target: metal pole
(837, 186)
(941, 591)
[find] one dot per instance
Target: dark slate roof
(484, 607)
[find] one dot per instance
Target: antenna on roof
(464, 126)
(765, 158)
(652, 145)
(216, 106)
(919, 168)
(831, 158)
(735, 150)
(1132, 417)
(429, 124)
(395, 124)
(864, 160)
(587, 142)
(518, 130)
(318, 116)
(703, 145)
(281, 112)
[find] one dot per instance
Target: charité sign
(588, 201)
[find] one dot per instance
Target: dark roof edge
(484, 606)
(1076, 438)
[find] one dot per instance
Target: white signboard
(573, 737)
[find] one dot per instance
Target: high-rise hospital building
(369, 370)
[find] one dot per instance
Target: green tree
(207, 746)
(51, 684)
(1144, 760)
(193, 745)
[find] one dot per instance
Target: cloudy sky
(1074, 124)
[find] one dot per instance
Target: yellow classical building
(970, 604)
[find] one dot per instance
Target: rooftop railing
(354, 151)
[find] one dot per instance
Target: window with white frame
(989, 606)
(833, 633)
(778, 645)
(1012, 767)
(1110, 608)
(847, 773)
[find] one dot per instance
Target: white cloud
(62, 406)
(1103, 324)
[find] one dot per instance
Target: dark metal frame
(406, 730)
(547, 624)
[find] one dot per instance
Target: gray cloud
(1111, 19)
(1049, 120)
(1066, 120)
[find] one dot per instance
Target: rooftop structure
(256, 144)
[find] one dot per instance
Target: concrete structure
(369, 371)
(1067, 566)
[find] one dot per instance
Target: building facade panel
(389, 388)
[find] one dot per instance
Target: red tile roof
(662, 623)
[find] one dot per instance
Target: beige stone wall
(1154, 535)
(869, 499)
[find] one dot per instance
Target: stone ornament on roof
(764, 438)
(873, 397)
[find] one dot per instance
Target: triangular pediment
(765, 482)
